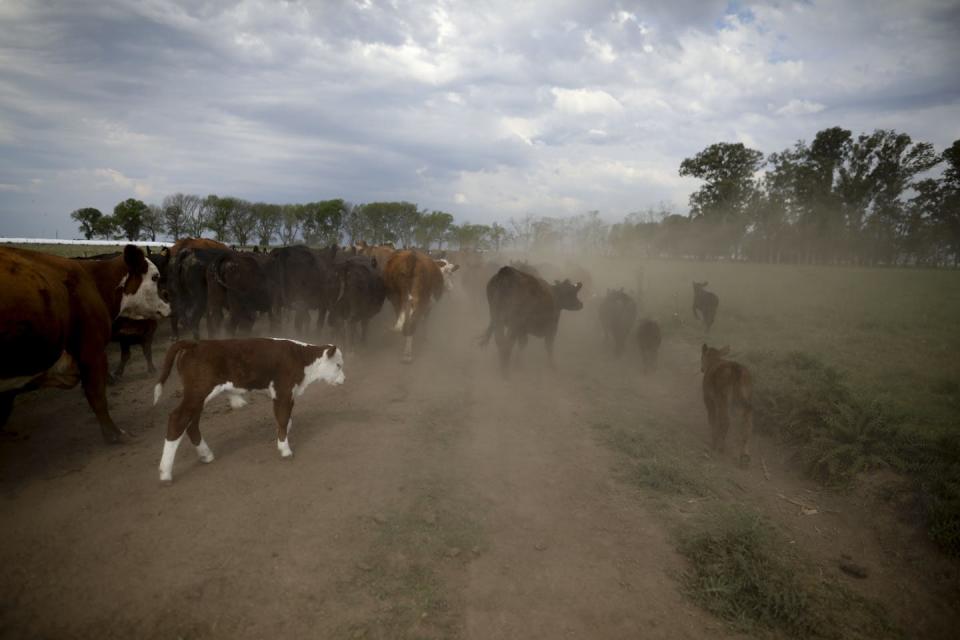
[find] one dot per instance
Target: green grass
(745, 572)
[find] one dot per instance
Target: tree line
(839, 199)
(320, 223)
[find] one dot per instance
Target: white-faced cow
(411, 278)
(208, 368)
(522, 305)
(55, 321)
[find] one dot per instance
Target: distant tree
(947, 216)
(432, 228)
(728, 170)
(322, 221)
(470, 236)
(175, 215)
(242, 222)
(128, 217)
(194, 214)
(388, 222)
(217, 213)
(152, 222)
(93, 223)
(290, 221)
(268, 219)
(498, 234)
(522, 230)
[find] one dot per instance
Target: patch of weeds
(854, 437)
(743, 571)
(667, 477)
(945, 387)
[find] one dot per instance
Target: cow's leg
(363, 331)
(722, 417)
(282, 409)
(745, 433)
(147, 347)
(407, 356)
(711, 419)
(124, 358)
(179, 419)
(93, 378)
(193, 430)
(6, 408)
(548, 342)
(505, 340)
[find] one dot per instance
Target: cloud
(481, 109)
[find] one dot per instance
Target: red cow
(411, 279)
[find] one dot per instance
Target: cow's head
(710, 356)
(699, 286)
(565, 294)
(328, 366)
(140, 298)
(447, 268)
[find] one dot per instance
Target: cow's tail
(168, 362)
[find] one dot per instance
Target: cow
(188, 286)
(55, 322)
(726, 384)
(617, 314)
(362, 295)
(648, 338)
(308, 280)
(208, 368)
(176, 284)
(128, 332)
(237, 282)
(521, 305)
(706, 302)
(447, 268)
(381, 252)
(411, 279)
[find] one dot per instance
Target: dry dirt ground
(430, 500)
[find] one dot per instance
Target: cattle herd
(57, 316)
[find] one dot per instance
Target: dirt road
(430, 500)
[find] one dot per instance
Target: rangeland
(438, 500)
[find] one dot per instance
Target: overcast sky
(485, 109)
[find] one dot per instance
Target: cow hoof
(116, 437)
(166, 482)
(206, 459)
(286, 455)
(112, 379)
(406, 358)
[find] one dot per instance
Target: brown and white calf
(208, 368)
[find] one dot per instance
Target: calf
(648, 337)
(617, 314)
(520, 305)
(282, 368)
(726, 383)
(706, 302)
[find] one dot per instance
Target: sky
(486, 109)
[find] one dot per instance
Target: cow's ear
(331, 350)
(136, 263)
(579, 285)
(455, 267)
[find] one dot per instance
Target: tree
(152, 222)
(322, 222)
(128, 217)
(291, 219)
(268, 219)
(728, 170)
(217, 214)
(469, 236)
(497, 235)
(242, 222)
(93, 223)
(174, 215)
(947, 216)
(432, 227)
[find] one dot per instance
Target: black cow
(187, 280)
(362, 293)
(237, 282)
(648, 337)
(308, 280)
(521, 305)
(617, 314)
(706, 302)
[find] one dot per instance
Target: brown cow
(726, 383)
(55, 321)
(522, 304)
(411, 278)
(380, 252)
(282, 368)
